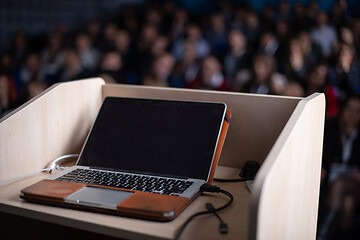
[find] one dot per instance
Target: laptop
(143, 158)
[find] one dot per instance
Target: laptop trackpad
(98, 197)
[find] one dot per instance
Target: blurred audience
(292, 49)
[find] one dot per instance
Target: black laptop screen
(169, 138)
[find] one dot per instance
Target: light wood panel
(257, 120)
(286, 190)
(52, 124)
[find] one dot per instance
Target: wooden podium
(283, 134)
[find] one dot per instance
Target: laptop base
(142, 205)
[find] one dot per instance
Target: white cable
(26, 175)
(52, 166)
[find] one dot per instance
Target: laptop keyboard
(142, 183)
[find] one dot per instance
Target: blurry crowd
(291, 50)
(286, 50)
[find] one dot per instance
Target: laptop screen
(162, 137)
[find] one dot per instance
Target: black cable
(232, 179)
(207, 188)
(223, 228)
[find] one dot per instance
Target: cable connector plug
(223, 227)
(209, 188)
(210, 207)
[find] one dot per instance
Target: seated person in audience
(193, 33)
(31, 69)
(123, 42)
(178, 24)
(295, 66)
(346, 35)
(124, 46)
(262, 78)
(31, 89)
(340, 173)
(324, 34)
(19, 47)
(237, 58)
(159, 46)
(189, 67)
(346, 73)
(252, 28)
(52, 58)
(108, 38)
(293, 89)
(217, 35)
(317, 81)
(89, 56)
(94, 31)
(270, 45)
(72, 68)
(282, 30)
(149, 33)
(6, 101)
(161, 73)
(311, 50)
(110, 68)
(211, 76)
(34, 88)
(6, 63)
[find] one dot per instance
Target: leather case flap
(158, 206)
(50, 190)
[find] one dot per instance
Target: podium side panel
(285, 199)
(48, 126)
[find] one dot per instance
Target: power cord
(52, 166)
(212, 189)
